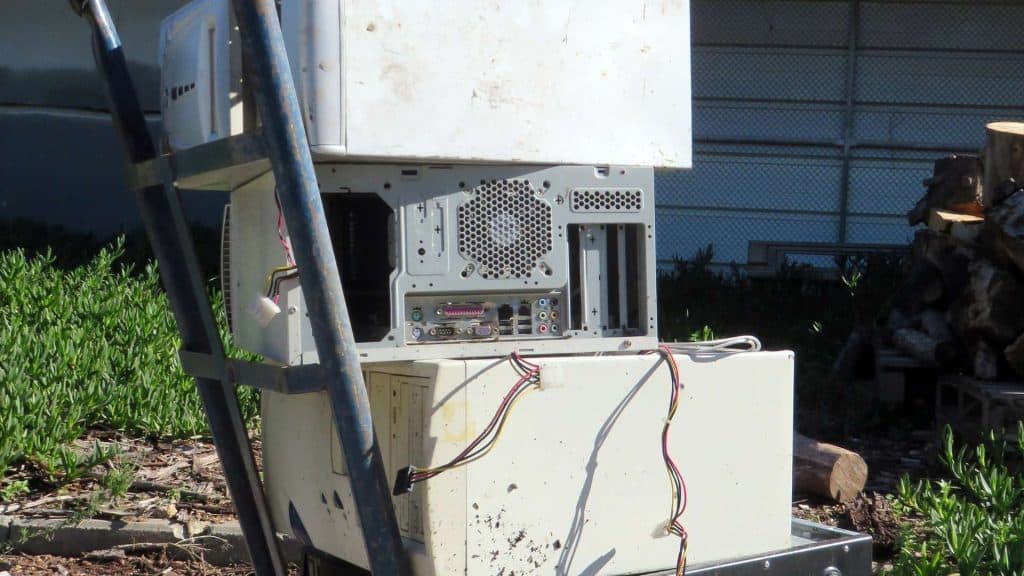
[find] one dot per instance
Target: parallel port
(461, 310)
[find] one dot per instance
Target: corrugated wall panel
(770, 81)
(767, 183)
(934, 78)
(769, 23)
(942, 25)
(767, 74)
(775, 121)
(953, 129)
(698, 228)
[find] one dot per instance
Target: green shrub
(972, 524)
(95, 345)
(795, 309)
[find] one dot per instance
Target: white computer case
(459, 261)
(556, 82)
(576, 483)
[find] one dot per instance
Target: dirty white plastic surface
(200, 75)
(548, 82)
(576, 483)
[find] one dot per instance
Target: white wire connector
(552, 376)
(263, 309)
(660, 531)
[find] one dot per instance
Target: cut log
(964, 228)
(995, 306)
(1014, 354)
(942, 353)
(925, 285)
(955, 185)
(1005, 225)
(950, 258)
(1004, 156)
(985, 362)
(934, 324)
(900, 319)
(827, 470)
(943, 220)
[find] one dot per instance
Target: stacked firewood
(962, 307)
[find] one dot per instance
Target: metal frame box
(442, 261)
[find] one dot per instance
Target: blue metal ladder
(283, 142)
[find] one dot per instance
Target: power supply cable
(529, 378)
(275, 291)
(677, 483)
(285, 243)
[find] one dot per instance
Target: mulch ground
(182, 481)
(150, 564)
(910, 454)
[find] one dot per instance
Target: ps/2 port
(417, 314)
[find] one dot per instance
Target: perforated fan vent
(607, 200)
(505, 229)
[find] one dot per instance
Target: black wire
(275, 284)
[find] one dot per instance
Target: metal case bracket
(300, 379)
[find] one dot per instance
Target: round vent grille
(505, 229)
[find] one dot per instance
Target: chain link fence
(816, 121)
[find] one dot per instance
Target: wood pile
(962, 307)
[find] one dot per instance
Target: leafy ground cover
(971, 523)
(94, 346)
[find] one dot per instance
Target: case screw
(833, 571)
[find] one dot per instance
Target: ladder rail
(164, 221)
(291, 161)
(277, 104)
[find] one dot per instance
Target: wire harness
(529, 379)
(676, 482)
(272, 284)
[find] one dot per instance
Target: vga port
(461, 310)
(443, 331)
